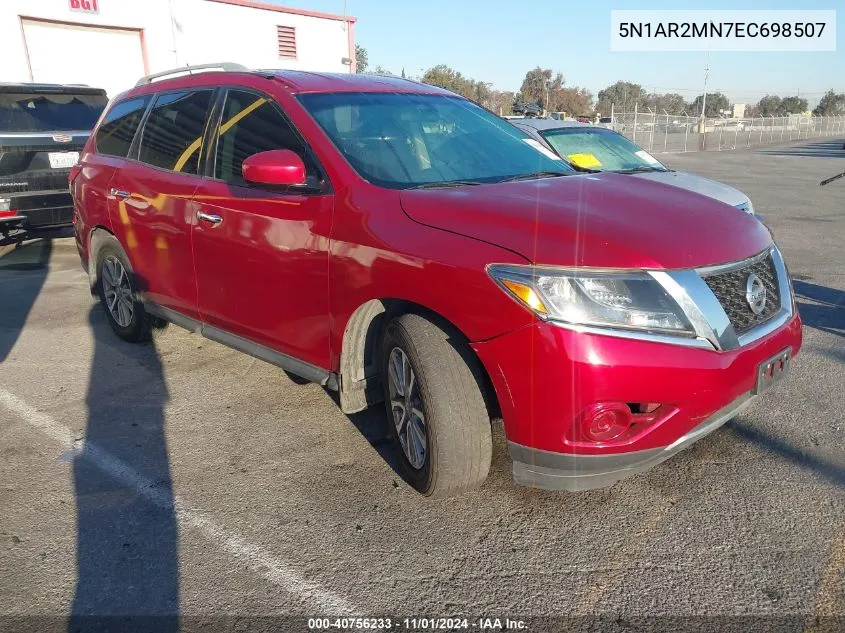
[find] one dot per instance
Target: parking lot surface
(183, 477)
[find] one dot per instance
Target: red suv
(399, 244)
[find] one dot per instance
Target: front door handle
(118, 193)
(209, 217)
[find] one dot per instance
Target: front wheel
(437, 416)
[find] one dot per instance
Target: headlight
(629, 301)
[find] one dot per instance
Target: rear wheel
(118, 294)
(437, 416)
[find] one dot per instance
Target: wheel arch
(96, 238)
(359, 367)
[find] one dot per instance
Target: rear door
(42, 132)
(109, 151)
(150, 198)
(262, 270)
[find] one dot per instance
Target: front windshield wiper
(537, 174)
(445, 183)
(638, 170)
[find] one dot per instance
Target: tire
(110, 260)
(455, 421)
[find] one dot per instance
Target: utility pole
(706, 77)
(703, 128)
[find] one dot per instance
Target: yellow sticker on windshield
(586, 160)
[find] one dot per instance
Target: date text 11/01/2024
(416, 624)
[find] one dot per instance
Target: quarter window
(252, 124)
(172, 136)
(115, 134)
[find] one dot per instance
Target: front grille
(730, 288)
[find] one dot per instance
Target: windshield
(31, 112)
(402, 140)
(601, 149)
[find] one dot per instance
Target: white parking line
(253, 556)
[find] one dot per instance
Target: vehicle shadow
(834, 473)
(18, 292)
(832, 148)
(127, 535)
(821, 307)
(372, 425)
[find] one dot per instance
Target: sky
(498, 41)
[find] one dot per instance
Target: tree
(716, 102)
(502, 102)
(360, 59)
(772, 105)
(538, 85)
(622, 97)
(450, 79)
(446, 77)
(831, 103)
(792, 105)
(381, 70)
(574, 101)
(672, 103)
(769, 105)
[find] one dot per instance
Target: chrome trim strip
(45, 134)
(706, 271)
(784, 282)
(780, 319)
(294, 365)
(700, 305)
(649, 337)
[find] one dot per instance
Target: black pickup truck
(43, 128)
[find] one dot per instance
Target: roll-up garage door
(74, 54)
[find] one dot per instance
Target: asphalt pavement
(180, 478)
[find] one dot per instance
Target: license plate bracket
(772, 370)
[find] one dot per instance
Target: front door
(261, 254)
(151, 198)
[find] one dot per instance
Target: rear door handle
(209, 217)
(119, 193)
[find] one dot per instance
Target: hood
(691, 182)
(604, 220)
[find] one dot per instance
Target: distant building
(739, 111)
(112, 43)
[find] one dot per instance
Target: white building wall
(201, 31)
(211, 31)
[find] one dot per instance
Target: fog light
(606, 421)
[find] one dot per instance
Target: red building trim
(274, 7)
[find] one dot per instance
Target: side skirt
(288, 363)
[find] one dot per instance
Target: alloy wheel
(117, 291)
(406, 406)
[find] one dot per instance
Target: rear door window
(35, 112)
(172, 136)
(115, 134)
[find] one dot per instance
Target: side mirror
(281, 167)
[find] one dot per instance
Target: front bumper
(545, 376)
(572, 472)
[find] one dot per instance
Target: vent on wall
(287, 41)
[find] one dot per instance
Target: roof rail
(224, 66)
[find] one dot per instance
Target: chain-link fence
(669, 133)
